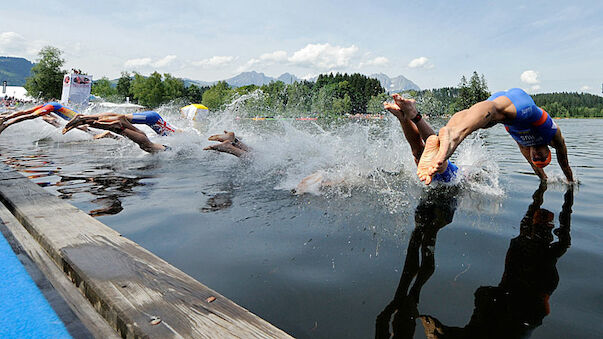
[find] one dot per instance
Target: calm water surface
(364, 258)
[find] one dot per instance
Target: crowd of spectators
(7, 102)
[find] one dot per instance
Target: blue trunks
(155, 121)
(448, 175)
(532, 125)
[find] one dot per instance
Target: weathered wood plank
(128, 285)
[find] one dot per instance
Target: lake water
(341, 263)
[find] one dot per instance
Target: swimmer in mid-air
(530, 126)
(419, 134)
(45, 111)
(123, 124)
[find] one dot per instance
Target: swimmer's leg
(415, 133)
(124, 127)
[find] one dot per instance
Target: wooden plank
(139, 294)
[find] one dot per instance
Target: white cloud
(136, 63)
(276, 56)
(215, 61)
(164, 61)
(535, 88)
(378, 61)
(530, 77)
(420, 62)
(14, 44)
(323, 56)
(585, 88)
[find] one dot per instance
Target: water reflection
(515, 307)
(435, 210)
(102, 182)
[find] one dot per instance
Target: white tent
(15, 91)
(194, 111)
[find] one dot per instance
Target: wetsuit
(155, 121)
(56, 108)
(532, 126)
(448, 175)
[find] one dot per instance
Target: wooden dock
(138, 294)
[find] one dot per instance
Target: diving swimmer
(123, 124)
(45, 111)
(149, 118)
(419, 135)
(530, 126)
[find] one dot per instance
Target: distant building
(17, 92)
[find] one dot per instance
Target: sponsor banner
(76, 89)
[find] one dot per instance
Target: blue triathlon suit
(532, 125)
(448, 175)
(155, 121)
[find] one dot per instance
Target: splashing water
(371, 157)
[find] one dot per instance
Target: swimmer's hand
(227, 136)
(433, 159)
(226, 147)
(73, 123)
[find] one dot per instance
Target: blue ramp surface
(24, 312)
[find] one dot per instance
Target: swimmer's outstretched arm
(558, 143)
(229, 143)
(17, 114)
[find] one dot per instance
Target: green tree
(375, 103)
(194, 94)
(471, 92)
(103, 88)
(124, 84)
(173, 87)
(149, 91)
(217, 96)
(46, 78)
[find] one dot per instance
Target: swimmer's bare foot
(73, 123)
(226, 147)
(227, 136)
(406, 106)
(428, 165)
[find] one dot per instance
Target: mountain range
(16, 70)
(397, 84)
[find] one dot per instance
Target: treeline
(570, 105)
(449, 100)
(151, 91)
(331, 94)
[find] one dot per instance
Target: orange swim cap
(543, 164)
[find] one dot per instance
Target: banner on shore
(76, 89)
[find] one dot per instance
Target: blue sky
(541, 46)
